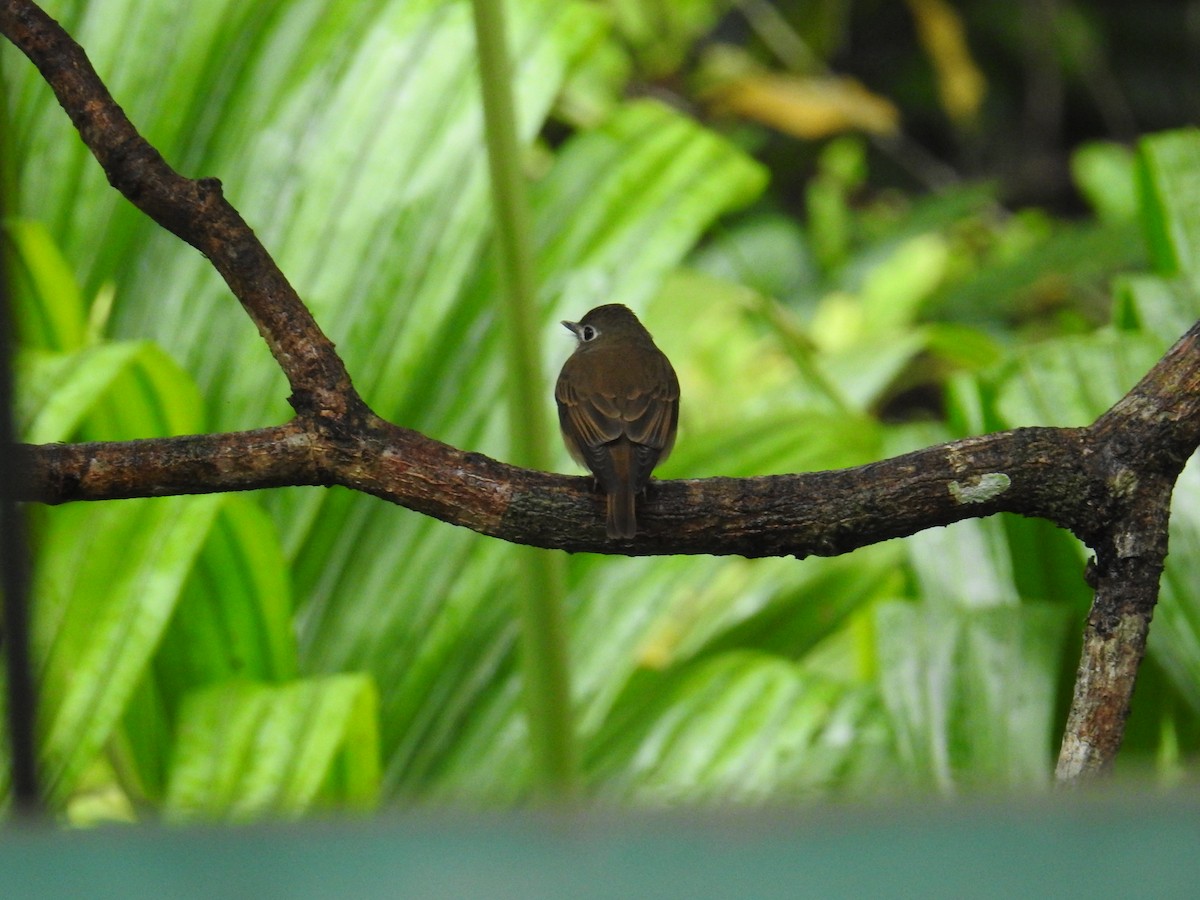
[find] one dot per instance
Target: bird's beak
(572, 327)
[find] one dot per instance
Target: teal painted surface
(1136, 845)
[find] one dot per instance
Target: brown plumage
(618, 405)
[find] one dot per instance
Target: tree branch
(1109, 483)
(1031, 471)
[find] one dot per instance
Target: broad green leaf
(100, 391)
(717, 332)
(765, 251)
(1049, 563)
(1106, 175)
(1169, 179)
(232, 621)
(625, 202)
(971, 693)
(783, 607)
(894, 290)
(636, 625)
(109, 575)
(117, 391)
(1037, 266)
(1158, 307)
(49, 310)
(865, 369)
(967, 565)
(640, 626)
(1070, 382)
(741, 728)
(962, 346)
(108, 579)
(247, 750)
(123, 390)
(778, 442)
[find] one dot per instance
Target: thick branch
(1141, 445)
(1032, 471)
(194, 210)
(162, 467)
(1156, 426)
(1126, 577)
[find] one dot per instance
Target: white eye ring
(588, 333)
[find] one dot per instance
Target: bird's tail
(622, 514)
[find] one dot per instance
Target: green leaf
(971, 693)
(108, 579)
(122, 568)
(764, 251)
(773, 606)
(638, 626)
(895, 288)
(1169, 179)
(1106, 175)
(866, 368)
(715, 332)
(1159, 307)
(741, 728)
(115, 391)
(1039, 266)
(967, 564)
(247, 750)
(1070, 382)
(232, 621)
(625, 202)
(49, 310)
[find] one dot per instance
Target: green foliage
(243, 750)
(269, 654)
(961, 683)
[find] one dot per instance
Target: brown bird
(618, 405)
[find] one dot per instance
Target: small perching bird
(618, 405)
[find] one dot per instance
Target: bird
(618, 407)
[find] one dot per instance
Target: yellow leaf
(807, 107)
(960, 83)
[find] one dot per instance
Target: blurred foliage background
(856, 228)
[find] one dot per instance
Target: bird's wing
(650, 414)
(645, 416)
(594, 419)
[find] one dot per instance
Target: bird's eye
(588, 333)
